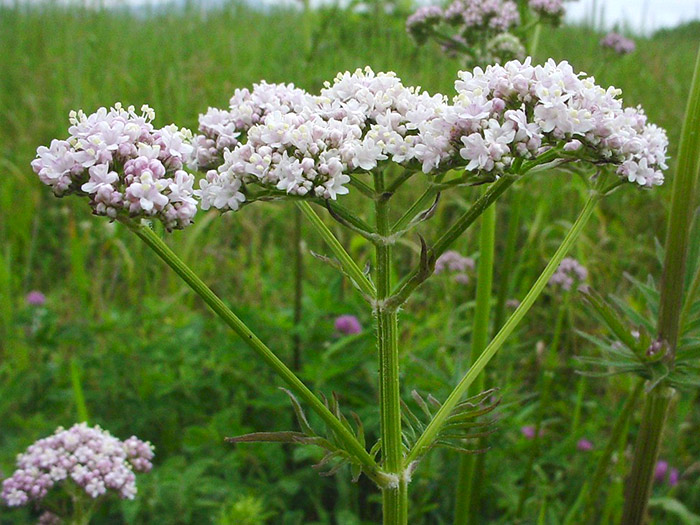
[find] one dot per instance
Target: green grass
(154, 362)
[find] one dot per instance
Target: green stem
(646, 451)
(670, 305)
(347, 262)
(423, 202)
(508, 262)
(395, 498)
(431, 431)
(466, 506)
(293, 382)
(298, 287)
(682, 207)
(78, 393)
(417, 276)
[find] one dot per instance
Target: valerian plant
(370, 134)
(484, 30)
(662, 345)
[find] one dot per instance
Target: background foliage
(152, 361)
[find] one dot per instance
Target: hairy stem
(395, 497)
(351, 443)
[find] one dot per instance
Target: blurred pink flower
(584, 445)
(35, 298)
(348, 325)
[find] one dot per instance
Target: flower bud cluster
(90, 457)
(499, 115)
(570, 272)
(618, 43)
(123, 165)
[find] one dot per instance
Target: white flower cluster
(519, 110)
(359, 120)
(91, 457)
(124, 165)
(500, 114)
(222, 128)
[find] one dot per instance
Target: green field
(120, 330)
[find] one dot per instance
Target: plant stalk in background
(657, 400)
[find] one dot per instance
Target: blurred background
(119, 339)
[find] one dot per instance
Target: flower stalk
(426, 439)
(395, 497)
(163, 251)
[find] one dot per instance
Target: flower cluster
(419, 24)
(479, 29)
(358, 121)
(221, 128)
(570, 272)
(123, 164)
(455, 263)
(499, 115)
(348, 325)
(618, 43)
(548, 8)
(663, 473)
(35, 298)
(485, 15)
(94, 460)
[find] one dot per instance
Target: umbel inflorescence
(482, 30)
(88, 457)
(500, 116)
(279, 140)
(123, 164)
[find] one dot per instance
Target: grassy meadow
(123, 343)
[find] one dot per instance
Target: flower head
(35, 298)
(123, 165)
(584, 445)
(674, 477)
(310, 147)
(347, 325)
(660, 470)
(569, 272)
(90, 457)
(618, 43)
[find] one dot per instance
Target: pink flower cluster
(90, 457)
(493, 15)
(123, 165)
(618, 43)
(500, 114)
(347, 325)
(549, 8)
(661, 470)
(418, 25)
(570, 271)
(455, 263)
